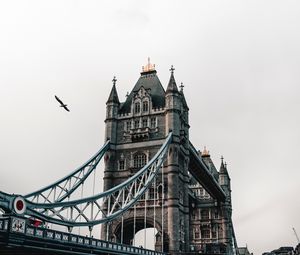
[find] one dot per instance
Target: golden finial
(149, 67)
(205, 152)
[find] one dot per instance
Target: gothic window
(136, 124)
(216, 214)
(196, 233)
(145, 123)
(145, 106)
(194, 214)
(205, 233)
(204, 214)
(220, 230)
(122, 164)
(139, 160)
(128, 125)
(153, 122)
(151, 193)
(214, 232)
(137, 107)
(162, 191)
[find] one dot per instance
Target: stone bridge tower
(137, 128)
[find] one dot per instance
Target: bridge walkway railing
(15, 231)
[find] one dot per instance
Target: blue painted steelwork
(65, 186)
(96, 209)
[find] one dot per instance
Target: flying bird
(62, 104)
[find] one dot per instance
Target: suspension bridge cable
(92, 206)
(162, 208)
(122, 229)
(145, 218)
(107, 225)
(54, 197)
(81, 196)
(134, 217)
(122, 223)
(68, 211)
(107, 229)
(154, 207)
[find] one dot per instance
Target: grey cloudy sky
(239, 61)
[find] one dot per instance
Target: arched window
(139, 160)
(137, 107)
(145, 106)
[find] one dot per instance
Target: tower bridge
(153, 178)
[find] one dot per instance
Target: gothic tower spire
(172, 87)
(112, 108)
(113, 96)
(224, 178)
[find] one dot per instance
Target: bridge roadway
(19, 238)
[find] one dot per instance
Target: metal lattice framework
(49, 204)
(64, 188)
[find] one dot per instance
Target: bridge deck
(19, 237)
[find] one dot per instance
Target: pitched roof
(223, 168)
(113, 96)
(183, 100)
(151, 83)
(172, 87)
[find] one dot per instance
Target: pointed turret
(177, 188)
(172, 87)
(173, 106)
(224, 179)
(113, 96)
(112, 108)
(223, 169)
(184, 103)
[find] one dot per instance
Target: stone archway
(129, 233)
(128, 229)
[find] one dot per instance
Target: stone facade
(210, 222)
(137, 128)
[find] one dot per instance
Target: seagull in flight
(62, 104)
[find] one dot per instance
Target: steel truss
(49, 204)
(63, 188)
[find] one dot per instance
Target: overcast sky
(239, 62)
